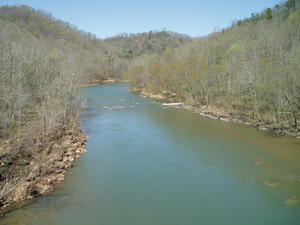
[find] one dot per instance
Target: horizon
(106, 20)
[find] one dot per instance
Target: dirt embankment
(25, 175)
(215, 112)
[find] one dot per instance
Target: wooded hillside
(250, 70)
(42, 63)
(133, 45)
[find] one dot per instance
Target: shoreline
(102, 82)
(40, 174)
(40, 178)
(213, 112)
(35, 180)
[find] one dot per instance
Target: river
(148, 164)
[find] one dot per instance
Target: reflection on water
(150, 164)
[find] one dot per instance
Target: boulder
(67, 144)
(33, 190)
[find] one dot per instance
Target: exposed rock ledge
(23, 180)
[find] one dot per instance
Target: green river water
(148, 164)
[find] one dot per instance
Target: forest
(45, 60)
(249, 71)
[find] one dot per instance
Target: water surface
(152, 165)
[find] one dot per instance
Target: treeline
(134, 45)
(41, 25)
(43, 61)
(251, 69)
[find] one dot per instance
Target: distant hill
(134, 45)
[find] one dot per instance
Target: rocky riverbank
(214, 112)
(26, 175)
(101, 82)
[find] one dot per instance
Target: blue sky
(110, 17)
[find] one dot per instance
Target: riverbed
(150, 164)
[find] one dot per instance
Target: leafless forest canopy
(250, 68)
